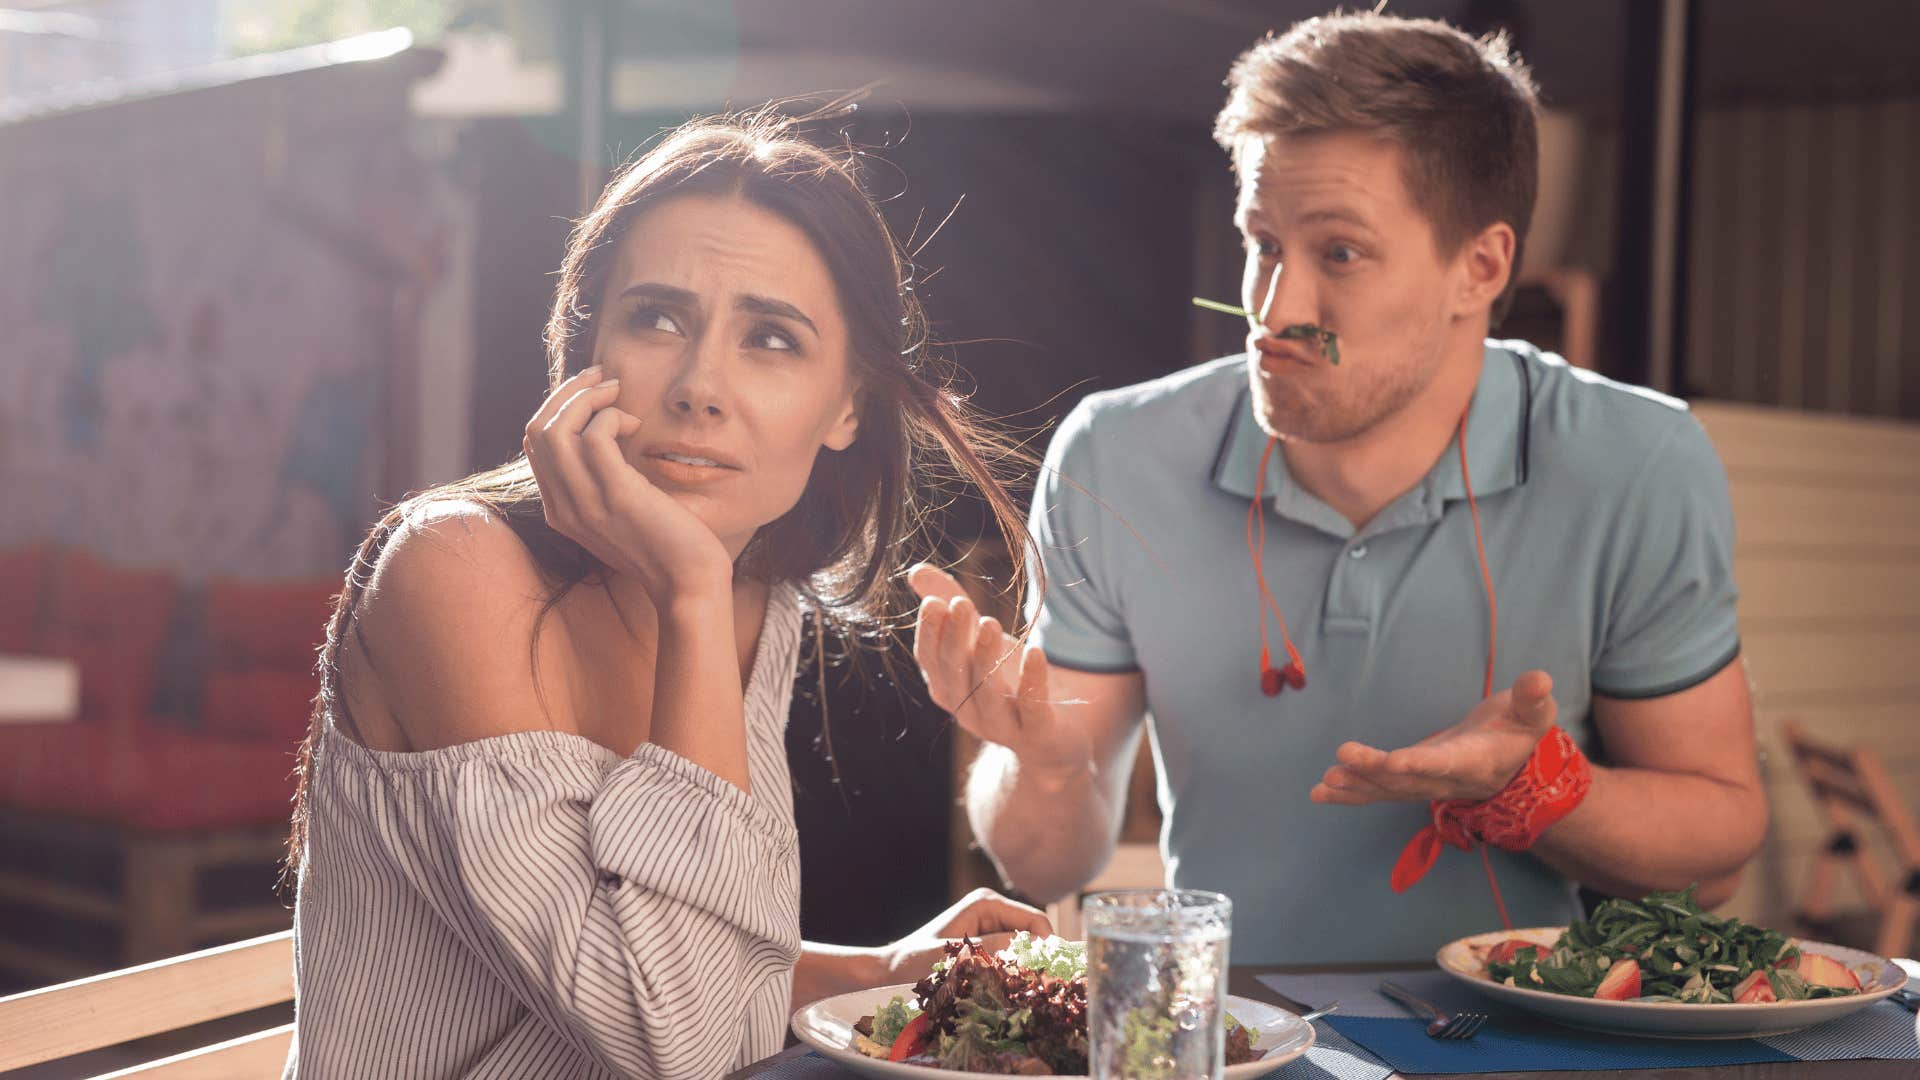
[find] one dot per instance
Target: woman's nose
(701, 389)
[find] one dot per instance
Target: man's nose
(1286, 301)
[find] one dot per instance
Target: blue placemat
(1515, 1041)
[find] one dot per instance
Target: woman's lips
(688, 469)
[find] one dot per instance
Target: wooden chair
(166, 996)
(1856, 796)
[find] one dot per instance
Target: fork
(1463, 1025)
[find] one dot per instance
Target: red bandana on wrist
(1552, 782)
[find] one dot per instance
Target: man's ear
(1488, 261)
(847, 427)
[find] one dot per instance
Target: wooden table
(38, 689)
(1244, 981)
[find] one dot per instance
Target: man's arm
(1049, 830)
(1681, 800)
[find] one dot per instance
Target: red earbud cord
(1295, 675)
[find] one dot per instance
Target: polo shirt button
(1358, 551)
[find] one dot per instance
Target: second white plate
(1667, 1019)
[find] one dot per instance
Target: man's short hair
(1461, 110)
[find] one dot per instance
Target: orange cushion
(23, 591)
(256, 624)
(159, 780)
(264, 704)
(113, 621)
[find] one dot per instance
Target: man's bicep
(1704, 730)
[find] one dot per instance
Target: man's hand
(1473, 759)
(971, 671)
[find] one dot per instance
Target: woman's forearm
(826, 970)
(698, 706)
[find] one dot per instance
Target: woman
(545, 825)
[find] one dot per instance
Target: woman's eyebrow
(671, 294)
(767, 305)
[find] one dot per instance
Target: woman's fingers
(989, 913)
(993, 943)
(554, 452)
(580, 407)
(561, 394)
(600, 451)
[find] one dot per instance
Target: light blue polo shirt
(1610, 538)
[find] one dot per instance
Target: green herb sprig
(1324, 338)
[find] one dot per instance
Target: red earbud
(1294, 675)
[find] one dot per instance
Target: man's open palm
(1473, 759)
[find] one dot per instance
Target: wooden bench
(165, 996)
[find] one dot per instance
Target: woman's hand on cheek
(593, 496)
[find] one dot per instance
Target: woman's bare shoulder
(445, 629)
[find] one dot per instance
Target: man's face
(1333, 240)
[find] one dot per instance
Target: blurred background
(268, 265)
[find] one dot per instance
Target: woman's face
(722, 323)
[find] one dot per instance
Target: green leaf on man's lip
(1329, 344)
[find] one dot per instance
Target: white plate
(827, 1026)
(1668, 1019)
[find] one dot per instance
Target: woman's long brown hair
(864, 512)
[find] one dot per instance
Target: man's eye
(1266, 249)
(1342, 254)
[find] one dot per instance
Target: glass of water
(1157, 983)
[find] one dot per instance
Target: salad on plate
(1020, 1011)
(1665, 948)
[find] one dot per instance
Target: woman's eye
(1266, 249)
(767, 337)
(1342, 254)
(655, 319)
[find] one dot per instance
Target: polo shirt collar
(1497, 447)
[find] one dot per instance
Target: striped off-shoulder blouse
(534, 905)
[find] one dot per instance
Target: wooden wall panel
(1828, 560)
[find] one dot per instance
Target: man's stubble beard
(1355, 413)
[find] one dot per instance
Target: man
(1386, 173)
